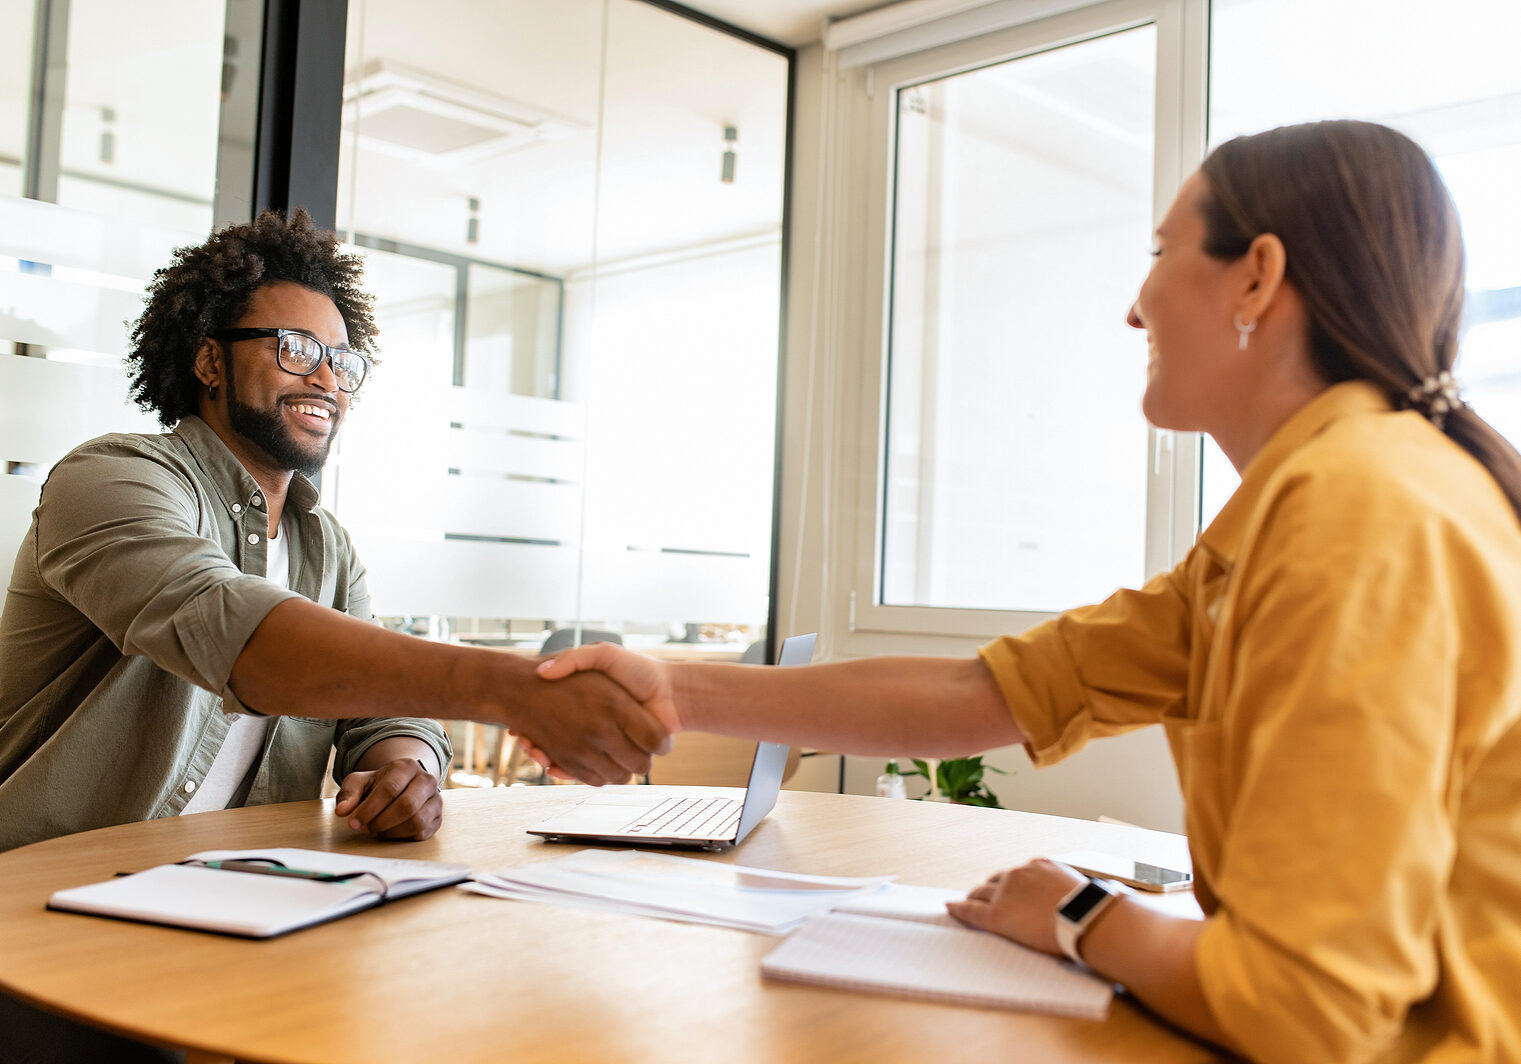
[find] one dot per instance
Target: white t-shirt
(231, 775)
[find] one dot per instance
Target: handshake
(599, 715)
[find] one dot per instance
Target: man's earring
(1244, 330)
(211, 389)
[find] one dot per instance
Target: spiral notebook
(955, 965)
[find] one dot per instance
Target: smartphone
(1136, 874)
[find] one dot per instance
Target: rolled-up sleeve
(1099, 670)
(122, 538)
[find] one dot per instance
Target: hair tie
(1435, 397)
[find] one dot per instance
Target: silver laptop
(705, 818)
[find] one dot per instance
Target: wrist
(492, 684)
(398, 748)
(684, 682)
(1080, 910)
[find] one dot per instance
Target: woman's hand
(1149, 951)
(1020, 904)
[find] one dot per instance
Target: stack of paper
(676, 888)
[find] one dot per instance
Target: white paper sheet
(676, 888)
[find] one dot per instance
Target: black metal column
(300, 107)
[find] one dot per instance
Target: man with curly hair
(187, 629)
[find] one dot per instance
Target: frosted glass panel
(681, 419)
(18, 497)
(108, 169)
(579, 324)
(1016, 450)
(47, 407)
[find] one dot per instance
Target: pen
(261, 868)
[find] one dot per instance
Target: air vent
(435, 122)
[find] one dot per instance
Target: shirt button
(190, 786)
(237, 507)
(253, 537)
(256, 500)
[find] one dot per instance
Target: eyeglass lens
(302, 354)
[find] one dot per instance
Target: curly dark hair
(207, 288)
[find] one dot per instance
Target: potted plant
(960, 780)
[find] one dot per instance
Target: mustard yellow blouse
(1338, 667)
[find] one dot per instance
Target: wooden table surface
(455, 976)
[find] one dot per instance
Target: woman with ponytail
(1337, 662)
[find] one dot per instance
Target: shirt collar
(234, 484)
(1223, 536)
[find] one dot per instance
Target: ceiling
(644, 100)
(791, 22)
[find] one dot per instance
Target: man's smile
(312, 413)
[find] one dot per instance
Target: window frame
(868, 97)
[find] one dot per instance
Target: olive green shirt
(137, 586)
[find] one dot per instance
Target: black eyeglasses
(303, 354)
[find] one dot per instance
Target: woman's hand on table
(1020, 904)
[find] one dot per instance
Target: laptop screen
(771, 758)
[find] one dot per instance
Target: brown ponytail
(1374, 251)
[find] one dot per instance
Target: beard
(266, 429)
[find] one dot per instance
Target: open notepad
(910, 946)
(317, 886)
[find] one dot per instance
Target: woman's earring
(211, 389)
(1244, 330)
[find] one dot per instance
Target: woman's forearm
(1152, 953)
(937, 707)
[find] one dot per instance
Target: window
(1012, 476)
(1020, 173)
(1015, 447)
(1449, 78)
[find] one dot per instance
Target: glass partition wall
(109, 135)
(572, 216)
(572, 220)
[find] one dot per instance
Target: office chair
(561, 638)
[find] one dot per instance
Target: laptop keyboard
(689, 818)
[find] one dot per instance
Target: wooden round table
(454, 976)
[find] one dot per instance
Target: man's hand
(645, 679)
(588, 726)
(400, 800)
(1020, 904)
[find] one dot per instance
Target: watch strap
(1078, 911)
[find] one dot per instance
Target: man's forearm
(307, 660)
(937, 707)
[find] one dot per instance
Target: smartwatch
(1079, 909)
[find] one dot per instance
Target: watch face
(1083, 904)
